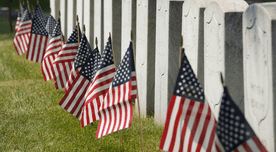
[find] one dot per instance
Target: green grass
(32, 120)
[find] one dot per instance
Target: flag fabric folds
(38, 39)
(18, 20)
(190, 124)
(52, 51)
(22, 36)
(74, 97)
(116, 109)
(50, 26)
(98, 88)
(40, 14)
(233, 133)
(65, 59)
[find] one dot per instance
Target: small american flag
(38, 39)
(22, 36)
(116, 110)
(190, 124)
(40, 14)
(233, 133)
(50, 26)
(53, 49)
(18, 20)
(65, 59)
(98, 88)
(74, 97)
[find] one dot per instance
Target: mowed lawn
(32, 120)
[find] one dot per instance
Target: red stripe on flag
(259, 144)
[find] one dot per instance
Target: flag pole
(21, 9)
(222, 80)
(78, 26)
(141, 133)
(37, 1)
(180, 50)
(28, 5)
(120, 136)
(83, 27)
(96, 42)
(61, 37)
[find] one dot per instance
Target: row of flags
(96, 90)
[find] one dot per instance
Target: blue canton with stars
(50, 25)
(26, 16)
(39, 13)
(107, 56)
(123, 73)
(232, 128)
(90, 67)
(84, 51)
(187, 84)
(74, 36)
(56, 31)
(37, 27)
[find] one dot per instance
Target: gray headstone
(193, 35)
(80, 12)
(112, 23)
(168, 34)
(88, 20)
(259, 37)
(145, 54)
(98, 26)
(63, 15)
(54, 5)
(71, 16)
(223, 51)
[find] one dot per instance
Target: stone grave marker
(54, 5)
(112, 23)
(80, 12)
(223, 51)
(71, 16)
(88, 20)
(193, 35)
(168, 34)
(63, 15)
(98, 26)
(259, 37)
(145, 54)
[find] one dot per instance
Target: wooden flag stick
(37, 1)
(83, 27)
(141, 133)
(33, 9)
(61, 37)
(180, 50)
(222, 80)
(28, 5)
(78, 27)
(21, 8)
(96, 41)
(120, 136)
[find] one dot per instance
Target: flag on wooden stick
(50, 26)
(116, 109)
(38, 39)
(98, 88)
(233, 133)
(74, 97)
(190, 124)
(22, 36)
(65, 59)
(52, 51)
(18, 20)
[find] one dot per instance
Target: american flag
(98, 88)
(53, 49)
(18, 20)
(38, 39)
(83, 54)
(22, 36)
(190, 124)
(233, 133)
(40, 14)
(74, 97)
(116, 110)
(64, 60)
(50, 26)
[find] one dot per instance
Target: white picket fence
(227, 36)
